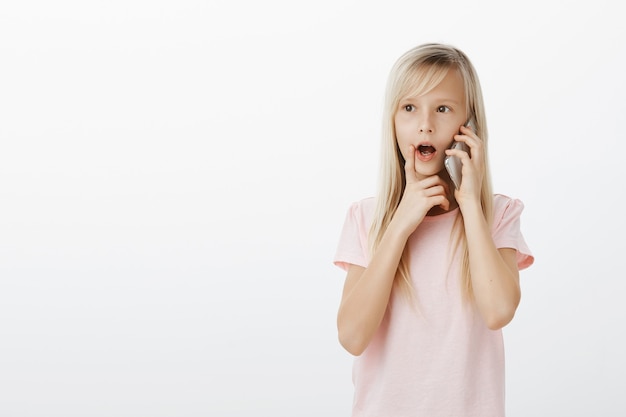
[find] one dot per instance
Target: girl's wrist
(398, 229)
(470, 206)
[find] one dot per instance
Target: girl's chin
(425, 174)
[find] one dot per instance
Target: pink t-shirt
(437, 358)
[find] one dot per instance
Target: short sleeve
(353, 240)
(507, 231)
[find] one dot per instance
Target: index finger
(409, 164)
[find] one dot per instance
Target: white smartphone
(453, 164)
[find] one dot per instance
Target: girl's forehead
(449, 86)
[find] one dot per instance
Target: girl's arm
(366, 293)
(495, 276)
(366, 290)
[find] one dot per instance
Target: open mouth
(426, 150)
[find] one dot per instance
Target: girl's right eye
(409, 107)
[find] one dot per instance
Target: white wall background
(174, 176)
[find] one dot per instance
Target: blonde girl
(432, 271)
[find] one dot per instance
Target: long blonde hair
(416, 72)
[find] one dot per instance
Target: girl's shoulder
(367, 203)
(506, 206)
(363, 210)
(503, 199)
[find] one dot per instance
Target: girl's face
(429, 123)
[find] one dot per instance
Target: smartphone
(453, 164)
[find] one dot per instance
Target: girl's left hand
(473, 169)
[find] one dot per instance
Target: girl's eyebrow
(441, 99)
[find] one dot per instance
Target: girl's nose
(425, 125)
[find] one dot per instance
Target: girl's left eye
(443, 109)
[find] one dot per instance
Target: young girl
(432, 270)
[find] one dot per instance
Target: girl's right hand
(420, 196)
